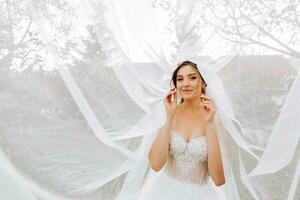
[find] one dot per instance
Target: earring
(179, 99)
(178, 94)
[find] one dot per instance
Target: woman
(186, 152)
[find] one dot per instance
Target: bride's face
(188, 82)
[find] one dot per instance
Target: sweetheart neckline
(191, 139)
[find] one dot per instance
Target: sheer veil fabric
(83, 84)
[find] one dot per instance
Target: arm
(159, 151)
(215, 165)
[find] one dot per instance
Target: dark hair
(180, 65)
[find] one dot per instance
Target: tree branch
(26, 31)
(293, 52)
(258, 42)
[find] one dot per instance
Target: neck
(191, 104)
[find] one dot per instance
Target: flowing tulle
(162, 187)
(83, 84)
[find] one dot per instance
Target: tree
(269, 24)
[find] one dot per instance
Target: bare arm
(158, 153)
(215, 165)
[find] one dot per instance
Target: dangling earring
(179, 99)
(178, 94)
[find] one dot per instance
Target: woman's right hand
(171, 102)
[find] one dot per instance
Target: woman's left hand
(209, 108)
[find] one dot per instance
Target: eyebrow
(188, 75)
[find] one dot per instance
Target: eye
(194, 77)
(180, 79)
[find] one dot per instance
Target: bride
(185, 156)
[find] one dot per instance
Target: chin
(188, 96)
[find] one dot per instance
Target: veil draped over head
(83, 85)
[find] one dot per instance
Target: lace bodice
(188, 154)
(187, 160)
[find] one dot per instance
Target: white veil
(83, 84)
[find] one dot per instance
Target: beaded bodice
(187, 159)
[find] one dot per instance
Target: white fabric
(185, 174)
(163, 187)
(83, 87)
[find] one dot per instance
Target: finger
(171, 92)
(172, 97)
(169, 95)
(206, 107)
(205, 104)
(208, 104)
(175, 97)
(203, 95)
(207, 101)
(172, 89)
(206, 97)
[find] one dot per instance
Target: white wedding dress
(185, 174)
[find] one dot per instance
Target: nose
(186, 83)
